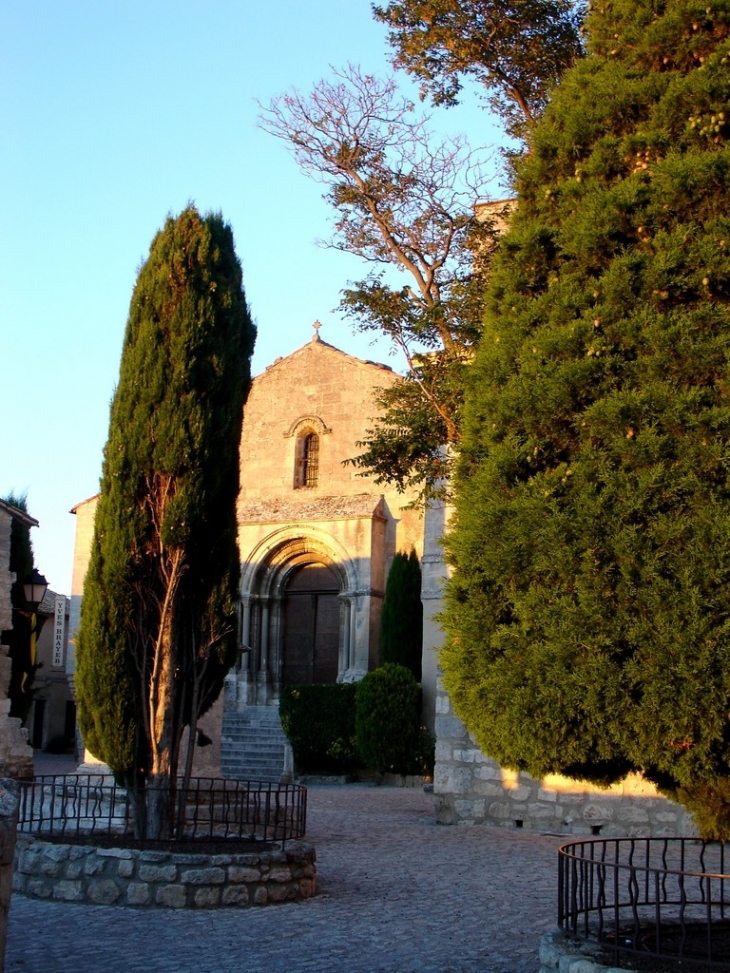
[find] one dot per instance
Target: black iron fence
(93, 805)
(667, 898)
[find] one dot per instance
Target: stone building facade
(316, 541)
(316, 538)
(16, 755)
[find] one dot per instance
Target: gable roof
(19, 515)
(316, 346)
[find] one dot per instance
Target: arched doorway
(311, 626)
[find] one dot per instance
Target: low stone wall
(172, 880)
(561, 952)
(8, 824)
(470, 788)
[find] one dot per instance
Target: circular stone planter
(163, 879)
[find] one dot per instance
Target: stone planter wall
(116, 876)
(8, 824)
(561, 953)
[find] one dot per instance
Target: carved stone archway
(299, 609)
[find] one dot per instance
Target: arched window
(308, 460)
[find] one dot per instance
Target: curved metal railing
(78, 806)
(663, 897)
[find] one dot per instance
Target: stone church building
(316, 541)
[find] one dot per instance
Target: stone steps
(253, 745)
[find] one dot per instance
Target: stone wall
(321, 388)
(470, 788)
(161, 879)
(16, 756)
(8, 824)
(561, 953)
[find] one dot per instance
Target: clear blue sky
(114, 113)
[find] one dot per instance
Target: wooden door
(311, 627)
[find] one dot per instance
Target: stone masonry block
(235, 895)
(157, 873)
(115, 853)
(138, 893)
(280, 875)
(449, 727)
(203, 876)
(171, 896)
(69, 891)
(103, 891)
(598, 812)
(94, 865)
(207, 897)
(237, 873)
(633, 815)
(281, 893)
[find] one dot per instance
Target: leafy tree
(157, 631)
(588, 620)
(516, 48)
(401, 625)
(18, 639)
(403, 201)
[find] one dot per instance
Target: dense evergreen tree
(401, 624)
(589, 616)
(157, 627)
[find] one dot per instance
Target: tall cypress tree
(588, 619)
(157, 631)
(401, 624)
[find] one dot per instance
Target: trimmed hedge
(319, 721)
(387, 720)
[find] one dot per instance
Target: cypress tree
(157, 631)
(401, 624)
(588, 620)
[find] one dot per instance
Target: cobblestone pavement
(397, 893)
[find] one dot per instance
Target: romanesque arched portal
(299, 615)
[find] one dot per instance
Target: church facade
(316, 541)
(316, 538)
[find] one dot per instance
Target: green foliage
(588, 619)
(157, 627)
(401, 623)
(405, 202)
(387, 720)
(516, 48)
(319, 721)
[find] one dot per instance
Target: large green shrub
(319, 721)
(387, 720)
(588, 619)
(401, 624)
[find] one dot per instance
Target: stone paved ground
(397, 894)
